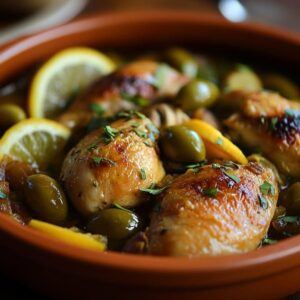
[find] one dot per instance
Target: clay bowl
(62, 271)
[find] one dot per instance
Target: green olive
(281, 84)
(197, 94)
(182, 144)
(114, 223)
(46, 198)
(10, 114)
(242, 79)
(183, 61)
(291, 199)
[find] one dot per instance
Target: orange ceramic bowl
(63, 271)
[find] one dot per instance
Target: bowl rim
(281, 256)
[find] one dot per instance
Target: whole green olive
(46, 198)
(114, 223)
(10, 114)
(197, 94)
(291, 199)
(182, 144)
(182, 60)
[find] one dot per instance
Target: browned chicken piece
(218, 210)
(124, 88)
(270, 123)
(112, 164)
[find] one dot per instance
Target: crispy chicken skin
(101, 171)
(192, 222)
(116, 91)
(270, 123)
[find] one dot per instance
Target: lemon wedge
(217, 145)
(34, 141)
(62, 77)
(69, 236)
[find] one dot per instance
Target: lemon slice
(69, 236)
(34, 141)
(62, 77)
(217, 146)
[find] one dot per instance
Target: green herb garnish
(273, 123)
(140, 133)
(263, 202)
(121, 207)
(289, 219)
(3, 195)
(267, 241)
(97, 109)
(235, 178)
(136, 99)
(109, 134)
(153, 190)
(210, 192)
(98, 160)
(267, 188)
(231, 164)
(143, 174)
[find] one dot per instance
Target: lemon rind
(57, 62)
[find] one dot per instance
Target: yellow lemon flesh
(217, 146)
(69, 236)
(34, 141)
(62, 77)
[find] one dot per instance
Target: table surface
(10, 289)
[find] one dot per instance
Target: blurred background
(18, 18)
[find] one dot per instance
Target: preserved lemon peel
(217, 146)
(69, 236)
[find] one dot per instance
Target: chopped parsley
(153, 190)
(289, 219)
(274, 121)
(98, 160)
(263, 202)
(195, 166)
(210, 192)
(140, 133)
(267, 241)
(266, 188)
(116, 205)
(97, 109)
(3, 195)
(235, 178)
(129, 114)
(136, 99)
(219, 141)
(231, 164)
(143, 174)
(109, 134)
